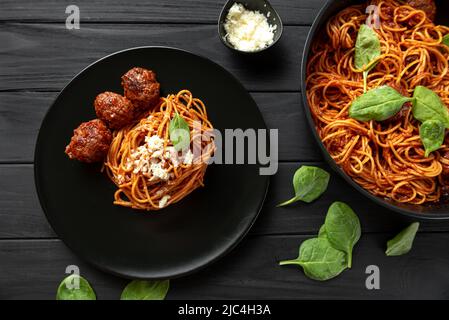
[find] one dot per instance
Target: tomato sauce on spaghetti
(386, 158)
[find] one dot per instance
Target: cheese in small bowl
(248, 30)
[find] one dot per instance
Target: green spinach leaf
(322, 233)
(145, 290)
(342, 228)
(179, 132)
(427, 105)
(309, 183)
(319, 260)
(378, 104)
(75, 287)
(403, 242)
(446, 40)
(367, 50)
(432, 135)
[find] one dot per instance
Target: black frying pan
(433, 212)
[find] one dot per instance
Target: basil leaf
(446, 40)
(403, 242)
(342, 228)
(145, 290)
(427, 105)
(179, 132)
(432, 135)
(319, 260)
(309, 183)
(75, 287)
(378, 104)
(367, 50)
(322, 233)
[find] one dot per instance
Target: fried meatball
(428, 6)
(114, 109)
(141, 87)
(90, 142)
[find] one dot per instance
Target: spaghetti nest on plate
(149, 171)
(155, 149)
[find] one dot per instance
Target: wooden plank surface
(21, 215)
(251, 271)
(21, 115)
(39, 56)
(149, 11)
(46, 56)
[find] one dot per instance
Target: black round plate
(331, 8)
(77, 198)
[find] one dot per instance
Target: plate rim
(104, 268)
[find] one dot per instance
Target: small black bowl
(264, 7)
(332, 7)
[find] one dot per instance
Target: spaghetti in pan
(388, 158)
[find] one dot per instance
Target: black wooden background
(38, 56)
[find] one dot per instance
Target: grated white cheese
(158, 171)
(188, 158)
(151, 161)
(148, 159)
(163, 201)
(154, 143)
(248, 30)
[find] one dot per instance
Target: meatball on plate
(90, 142)
(141, 87)
(114, 109)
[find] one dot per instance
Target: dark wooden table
(38, 56)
